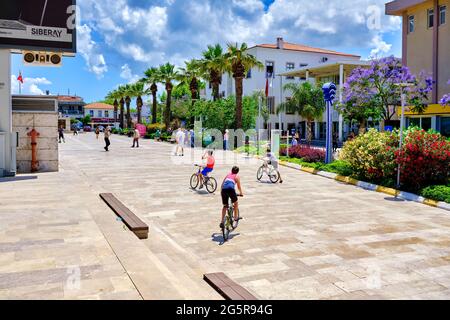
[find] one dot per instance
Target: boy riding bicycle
(210, 162)
(270, 159)
(229, 192)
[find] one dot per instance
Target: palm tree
(213, 64)
(307, 100)
(167, 75)
(137, 90)
(115, 97)
(127, 91)
(152, 77)
(121, 92)
(191, 75)
(238, 63)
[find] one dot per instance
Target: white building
(280, 58)
(102, 114)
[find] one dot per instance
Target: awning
(326, 69)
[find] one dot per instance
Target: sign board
(38, 25)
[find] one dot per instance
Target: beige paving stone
(309, 238)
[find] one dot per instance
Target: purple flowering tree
(372, 92)
(445, 101)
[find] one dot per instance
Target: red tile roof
(99, 106)
(303, 48)
(69, 98)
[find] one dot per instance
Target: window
(445, 127)
(289, 67)
(442, 14)
(99, 113)
(271, 105)
(107, 114)
(287, 100)
(302, 65)
(270, 69)
(430, 18)
(411, 24)
(91, 113)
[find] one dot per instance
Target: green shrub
(372, 156)
(340, 167)
(152, 128)
(438, 193)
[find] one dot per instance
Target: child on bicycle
(270, 159)
(229, 192)
(210, 162)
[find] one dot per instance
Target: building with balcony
(101, 114)
(279, 58)
(71, 107)
(426, 47)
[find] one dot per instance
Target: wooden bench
(136, 225)
(227, 288)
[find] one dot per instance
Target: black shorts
(229, 194)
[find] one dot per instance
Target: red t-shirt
(211, 162)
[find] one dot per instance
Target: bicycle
(228, 226)
(270, 171)
(209, 182)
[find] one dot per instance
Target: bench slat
(229, 289)
(133, 222)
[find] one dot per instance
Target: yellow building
(426, 47)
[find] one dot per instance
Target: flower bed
(304, 152)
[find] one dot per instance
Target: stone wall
(46, 124)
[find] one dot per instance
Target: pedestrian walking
(180, 137)
(192, 138)
(107, 134)
(226, 139)
(97, 132)
(136, 137)
(335, 142)
(75, 131)
(61, 134)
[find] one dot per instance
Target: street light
(402, 125)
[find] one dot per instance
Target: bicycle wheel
(227, 225)
(211, 185)
(194, 181)
(260, 173)
(274, 176)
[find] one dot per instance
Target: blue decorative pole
(329, 92)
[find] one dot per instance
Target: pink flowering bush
(305, 152)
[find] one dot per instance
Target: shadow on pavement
(394, 199)
(218, 237)
(18, 178)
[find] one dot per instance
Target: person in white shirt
(136, 137)
(180, 137)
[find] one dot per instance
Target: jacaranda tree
(376, 87)
(445, 101)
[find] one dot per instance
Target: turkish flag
(20, 78)
(267, 87)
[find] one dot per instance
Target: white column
(5, 106)
(341, 87)
(307, 75)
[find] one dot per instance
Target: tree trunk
(154, 108)
(239, 93)
(139, 103)
(216, 88)
(167, 112)
(309, 132)
(362, 127)
(128, 103)
(122, 114)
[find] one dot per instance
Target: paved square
(309, 238)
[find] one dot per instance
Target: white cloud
(127, 74)
(249, 5)
(380, 47)
(89, 49)
(30, 85)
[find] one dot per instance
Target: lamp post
(402, 125)
(329, 93)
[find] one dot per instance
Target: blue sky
(118, 40)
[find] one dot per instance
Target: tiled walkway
(309, 238)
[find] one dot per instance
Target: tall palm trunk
(215, 82)
(128, 103)
(116, 107)
(239, 94)
(154, 90)
(122, 113)
(309, 136)
(167, 119)
(139, 104)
